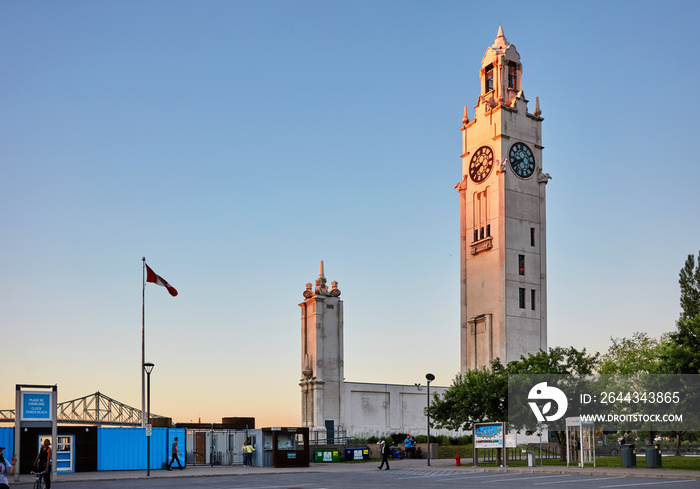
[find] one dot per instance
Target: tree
(482, 395)
(682, 353)
(689, 281)
(640, 354)
(558, 361)
(636, 355)
(477, 396)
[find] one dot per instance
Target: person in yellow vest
(249, 449)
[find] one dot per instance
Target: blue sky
(235, 144)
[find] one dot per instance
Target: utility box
(326, 455)
(530, 458)
(359, 453)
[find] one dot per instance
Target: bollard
(457, 459)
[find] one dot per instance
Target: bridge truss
(95, 409)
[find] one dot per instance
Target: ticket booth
(580, 442)
(285, 447)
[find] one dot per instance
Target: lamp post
(148, 368)
(429, 378)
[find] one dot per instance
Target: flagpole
(143, 345)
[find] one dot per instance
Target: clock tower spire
(503, 270)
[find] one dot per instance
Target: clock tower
(503, 266)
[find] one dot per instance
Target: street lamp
(148, 368)
(429, 378)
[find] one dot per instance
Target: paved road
(405, 474)
(395, 478)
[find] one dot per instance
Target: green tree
(682, 353)
(682, 356)
(689, 281)
(636, 355)
(558, 361)
(482, 395)
(640, 354)
(477, 396)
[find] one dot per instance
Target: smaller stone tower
(322, 366)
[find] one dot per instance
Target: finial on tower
(465, 119)
(538, 112)
(501, 43)
(321, 288)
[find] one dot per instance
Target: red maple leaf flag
(158, 280)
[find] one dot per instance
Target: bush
(462, 440)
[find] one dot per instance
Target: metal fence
(216, 447)
(321, 438)
(549, 451)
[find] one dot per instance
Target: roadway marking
(525, 478)
(481, 475)
(636, 484)
(582, 480)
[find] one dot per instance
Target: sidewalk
(439, 464)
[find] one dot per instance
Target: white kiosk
(580, 442)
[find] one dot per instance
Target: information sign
(36, 406)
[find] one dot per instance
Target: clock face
(481, 164)
(522, 161)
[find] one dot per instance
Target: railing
(321, 438)
(520, 453)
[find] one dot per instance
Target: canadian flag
(156, 279)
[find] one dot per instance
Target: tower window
(511, 76)
(532, 236)
(532, 299)
(488, 80)
(521, 264)
(521, 297)
(481, 215)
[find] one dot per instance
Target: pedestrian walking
(175, 458)
(384, 448)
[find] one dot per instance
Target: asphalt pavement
(26, 480)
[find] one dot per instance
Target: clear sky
(235, 144)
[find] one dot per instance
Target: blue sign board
(36, 406)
